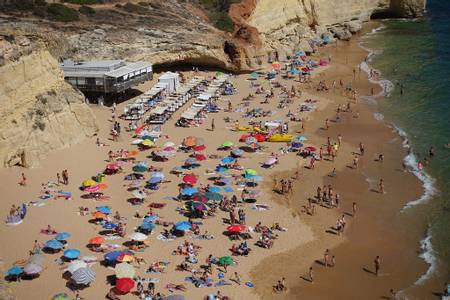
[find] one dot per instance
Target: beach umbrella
(190, 179)
(214, 189)
(200, 157)
(92, 189)
(213, 196)
(169, 144)
(154, 180)
(102, 186)
(83, 276)
(157, 175)
(311, 149)
(60, 296)
(191, 161)
(250, 172)
(254, 75)
(89, 182)
(227, 144)
(137, 236)
(151, 218)
(109, 226)
(189, 191)
(139, 194)
(147, 143)
(228, 189)
(62, 236)
(199, 148)
(183, 225)
(276, 65)
(147, 226)
(37, 259)
(124, 269)
(224, 180)
(125, 256)
(237, 152)
(236, 228)
(103, 209)
(140, 168)
(75, 265)
(14, 271)
(199, 206)
(113, 167)
(72, 253)
(189, 141)
(124, 285)
(225, 261)
(228, 160)
(169, 149)
(98, 215)
(112, 256)
(54, 244)
(296, 145)
(200, 198)
(97, 240)
(32, 269)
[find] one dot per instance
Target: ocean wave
(428, 256)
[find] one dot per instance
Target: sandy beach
(378, 228)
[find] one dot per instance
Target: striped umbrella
(75, 265)
(83, 276)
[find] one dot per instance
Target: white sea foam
(428, 256)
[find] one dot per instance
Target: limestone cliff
(40, 112)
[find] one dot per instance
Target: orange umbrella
(189, 141)
(102, 186)
(125, 257)
(133, 153)
(98, 240)
(99, 215)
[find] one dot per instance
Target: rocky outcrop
(40, 112)
(408, 8)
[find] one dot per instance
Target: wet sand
(379, 228)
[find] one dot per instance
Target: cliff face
(40, 112)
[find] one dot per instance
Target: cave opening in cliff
(383, 14)
(187, 65)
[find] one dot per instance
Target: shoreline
(296, 291)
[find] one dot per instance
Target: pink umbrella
(92, 189)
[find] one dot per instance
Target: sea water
(414, 56)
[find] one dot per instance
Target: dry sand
(295, 249)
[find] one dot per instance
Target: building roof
(101, 68)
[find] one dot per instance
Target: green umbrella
(227, 144)
(251, 172)
(225, 261)
(140, 168)
(213, 196)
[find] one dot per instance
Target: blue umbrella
(296, 145)
(228, 160)
(191, 161)
(300, 138)
(215, 189)
(147, 226)
(54, 244)
(109, 226)
(151, 218)
(213, 196)
(154, 180)
(221, 169)
(72, 253)
(104, 209)
(158, 174)
(62, 236)
(228, 189)
(14, 271)
(237, 152)
(189, 191)
(183, 226)
(112, 256)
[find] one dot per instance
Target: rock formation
(40, 112)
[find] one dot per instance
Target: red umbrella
(200, 148)
(113, 166)
(190, 179)
(243, 137)
(310, 149)
(140, 128)
(260, 137)
(236, 228)
(125, 285)
(200, 157)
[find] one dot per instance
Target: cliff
(40, 112)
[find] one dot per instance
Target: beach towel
(164, 239)
(260, 207)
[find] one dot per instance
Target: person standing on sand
(23, 181)
(58, 178)
(381, 186)
(355, 162)
(339, 139)
(311, 275)
(361, 149)
(326, 124)
(326, 256)
(333, 261)
(377, 265)
(213, 126)
(354, 209)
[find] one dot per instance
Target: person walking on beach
(326, 257)
(326, 124)
(377, 265)
(361, 149)
(311, 275)
(333, 261)
(381, 186)
(213, 126)
(355, 162)
(23, 181)
(354, 209)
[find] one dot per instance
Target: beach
(377, 229)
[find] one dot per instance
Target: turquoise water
(416, 54)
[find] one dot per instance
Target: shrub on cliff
(218, 13)
(62, 13)
(222, 21)
(134, 8)
(86, 10)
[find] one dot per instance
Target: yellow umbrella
(124, 270)
(89, 182)
(147, 143)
